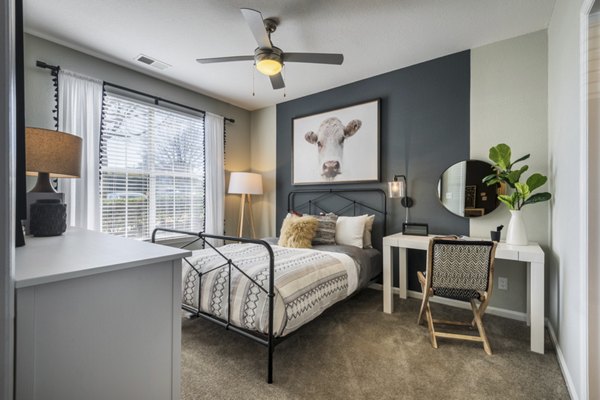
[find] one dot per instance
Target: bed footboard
(266, 340)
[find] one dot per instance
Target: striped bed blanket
(307, 282)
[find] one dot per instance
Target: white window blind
(152, 168)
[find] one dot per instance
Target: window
(151, 168)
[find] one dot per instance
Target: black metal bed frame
(268, 340)
(315, 204)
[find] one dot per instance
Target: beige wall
(39, 94)
(263, 160)
(509, 92)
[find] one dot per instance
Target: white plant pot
(517, 233)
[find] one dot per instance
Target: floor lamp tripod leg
(242, 206)
(251, 216)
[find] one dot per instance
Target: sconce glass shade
(397, 189)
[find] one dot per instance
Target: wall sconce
(399, 190)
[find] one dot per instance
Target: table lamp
(246, 184)
(49, 154)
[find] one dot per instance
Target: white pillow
(350, 230)
(367, 243)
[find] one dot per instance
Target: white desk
(532, 255)
(98, 317)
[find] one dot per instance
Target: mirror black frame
(478, 198)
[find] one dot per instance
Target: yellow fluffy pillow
(298, 231)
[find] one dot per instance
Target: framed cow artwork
(337, 146)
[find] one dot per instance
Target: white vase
(517, 234)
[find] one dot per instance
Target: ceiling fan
(269, 59)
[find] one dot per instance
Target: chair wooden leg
(425, 296)
(480, 328)
(423, 303)
(430, 326)
(482, 308)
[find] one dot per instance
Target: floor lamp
(246, 184)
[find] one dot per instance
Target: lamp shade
(397, 189)
(245, 183)
(52, 152)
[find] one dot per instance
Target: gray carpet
(355, 351)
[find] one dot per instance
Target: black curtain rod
(55, 69)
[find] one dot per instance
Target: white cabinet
(98, 317)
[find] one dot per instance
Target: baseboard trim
(561, 362)
(501, 312)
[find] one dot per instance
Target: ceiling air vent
(152, 62)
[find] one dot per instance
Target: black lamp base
(19, 237)
(407, 202)
(42, 184)
(48, 217)
(33, 197)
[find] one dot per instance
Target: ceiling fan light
(269, 67)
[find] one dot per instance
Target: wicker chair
(460, 270)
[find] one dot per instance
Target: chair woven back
(460, 264)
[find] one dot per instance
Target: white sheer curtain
(214, 126)
(79, 111)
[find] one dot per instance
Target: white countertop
(527, 253)
(80, 252)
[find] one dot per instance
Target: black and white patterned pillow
(326, 229)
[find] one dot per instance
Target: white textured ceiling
(375, 36)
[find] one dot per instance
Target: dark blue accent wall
(424, 129)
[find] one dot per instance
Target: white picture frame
(337, 146)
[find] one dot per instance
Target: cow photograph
(338, 146)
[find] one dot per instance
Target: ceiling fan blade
(315, 58)
(224, 59)
(256, 23)
(277, 81)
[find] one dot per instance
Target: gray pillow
(326, 229)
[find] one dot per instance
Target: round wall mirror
(461, 191)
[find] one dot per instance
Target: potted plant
(507, 174)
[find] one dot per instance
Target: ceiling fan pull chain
(283, 75)
(253, 73)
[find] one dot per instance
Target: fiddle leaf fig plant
(507, 173)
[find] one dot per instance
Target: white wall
(509, 91)
(7, 198)
(594, 194)
(263, 133)
(39, 94)
(567, 271)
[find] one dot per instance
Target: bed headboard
(350, 202)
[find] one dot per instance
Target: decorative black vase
(48, 217)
